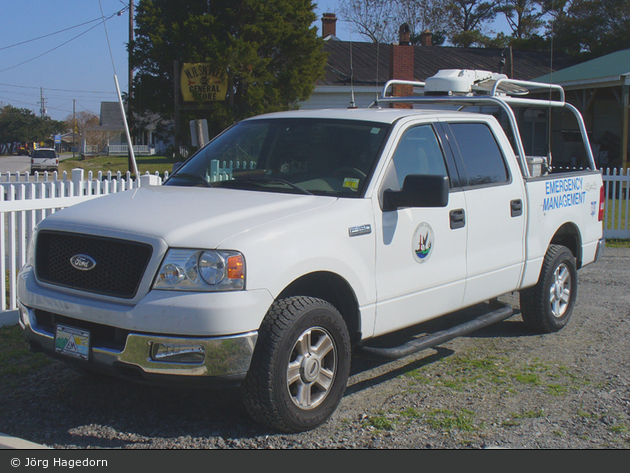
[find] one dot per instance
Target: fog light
(22, 315)
(177, 353)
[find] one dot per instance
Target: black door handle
(516, 208)
(458, 218)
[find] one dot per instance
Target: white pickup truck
(335, 228)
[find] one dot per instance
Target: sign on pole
(199, 81)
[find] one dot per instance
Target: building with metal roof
(356, 71)
(600, 89)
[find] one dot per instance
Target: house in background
(357, 71)
(600, 90)
(109, 136)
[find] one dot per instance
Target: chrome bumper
(601, 245)
(155, 356)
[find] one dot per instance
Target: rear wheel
(300, 366)
(547, 306)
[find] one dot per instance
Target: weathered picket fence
(26, 200)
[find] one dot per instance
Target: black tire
(547, 306)
(300, 366)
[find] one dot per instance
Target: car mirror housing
(418, 191)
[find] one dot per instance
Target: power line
(48, 35)
(58, 90)
(103, 19)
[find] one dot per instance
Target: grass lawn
(118, 163)
(620, 221)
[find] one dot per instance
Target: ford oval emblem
(82, 262)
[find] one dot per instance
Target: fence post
(147, 180)
(77, 180)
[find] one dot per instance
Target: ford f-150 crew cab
(330, 229)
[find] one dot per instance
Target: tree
(423, 15)
(268, 50)
(81, 121)
(524, 17)
(468, 18)
(20, 125)
(379, 20)
(591, 28)
(372, 19)
(82, 124)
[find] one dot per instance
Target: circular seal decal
(422, 243)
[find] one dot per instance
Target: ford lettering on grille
(82, 262)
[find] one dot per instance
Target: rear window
(44, 153)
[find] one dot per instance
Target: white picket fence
(222, 171)
(124, 150)
(26, 200)
(617, 188)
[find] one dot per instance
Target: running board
(434, 339)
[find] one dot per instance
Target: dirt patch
(501, 387)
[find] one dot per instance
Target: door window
(483, 160)
(418, 152)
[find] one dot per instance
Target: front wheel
(300, 366)
(547, 306)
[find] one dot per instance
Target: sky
(63, 52)
(60, 50)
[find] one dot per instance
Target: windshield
(304, 155)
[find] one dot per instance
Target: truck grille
(120, 264)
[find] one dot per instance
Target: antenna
(550, 124)
(120, 102)
(378, 48)
(352, 102)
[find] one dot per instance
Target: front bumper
(163, 359)
(601, 245)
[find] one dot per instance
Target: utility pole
(42, 103)
(74, 126)
(130, 86)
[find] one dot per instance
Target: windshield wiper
(269, 180)
(191, 177)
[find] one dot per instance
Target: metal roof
(111, 117)
(602, 69)
(368, 63)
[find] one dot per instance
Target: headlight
(201, 270)
(30, 249)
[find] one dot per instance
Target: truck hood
(192, 217)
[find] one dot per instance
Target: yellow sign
(201, 82)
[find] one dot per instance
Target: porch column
(625, 88)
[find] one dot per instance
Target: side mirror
(418, 191)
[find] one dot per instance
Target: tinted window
(418, 152)
(480, 152)
(44, 154)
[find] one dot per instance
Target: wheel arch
(334, 289)
(569, 235)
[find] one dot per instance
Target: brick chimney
(426, 38)
(401, 65)
(329, 25)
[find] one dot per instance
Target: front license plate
(72, 341)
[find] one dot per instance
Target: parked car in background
(23, 150)
(44, 159)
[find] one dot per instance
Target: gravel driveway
(502, 387)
